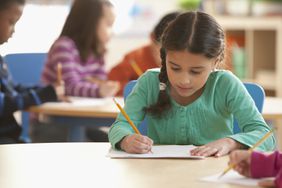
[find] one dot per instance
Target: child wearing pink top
(259, 165)
(80, 49)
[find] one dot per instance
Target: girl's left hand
(217, 148)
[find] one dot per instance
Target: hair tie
(162, 86)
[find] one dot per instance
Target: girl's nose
(186, 80)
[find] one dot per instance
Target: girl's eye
(195, 72)
(175, 68)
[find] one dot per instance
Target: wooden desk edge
(60, 112)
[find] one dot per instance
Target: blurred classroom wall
(42, 22)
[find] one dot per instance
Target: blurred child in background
(145, 57)
(16, 97)
(80, 49)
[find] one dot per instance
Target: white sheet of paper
(85, 102)
(232, 177)
(160, 151)
(89, 102)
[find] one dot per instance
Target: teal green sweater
(208, 118)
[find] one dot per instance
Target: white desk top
(73, 165)
(272, 108)
(106, 108)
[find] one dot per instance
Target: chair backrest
(126, 91)
(128, 88)
(258, 95)
(255, 90)
(26, 68)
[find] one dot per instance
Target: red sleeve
(123, 72)
(266, 165)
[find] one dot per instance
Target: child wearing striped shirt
(80, 49)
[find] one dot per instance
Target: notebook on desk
(160, 151)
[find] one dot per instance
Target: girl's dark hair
(6, 3)
(162, 24)
(196, 32)
(81, 26)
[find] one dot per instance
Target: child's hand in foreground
(241, 159)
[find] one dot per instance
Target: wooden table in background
(107, 110)
(272, 111)
(101, 108)
(79, 114)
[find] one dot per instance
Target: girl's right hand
(60, 89)
(242, 160)
(136, 143)
(109, 88)
(60, 92)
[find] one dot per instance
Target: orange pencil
(60, 81)
(136, 68)
(127, 118)
(250, 150)
(59, 73)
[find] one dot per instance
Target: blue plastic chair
(258, 95)
(126, 91)
(25, 69)
(255, 90)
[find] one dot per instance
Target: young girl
(188, 101)
(15, 97)
(80, 49)
(259, 165)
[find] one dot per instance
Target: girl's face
(8, 19)
(187, 73)
(106, 24)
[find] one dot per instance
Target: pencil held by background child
(60, 86)
(59, 74)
